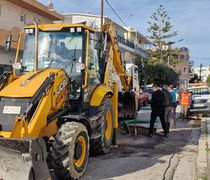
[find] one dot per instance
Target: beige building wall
(183, 67)
(11, 23)
(10, 16)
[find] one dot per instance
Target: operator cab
(71, 48)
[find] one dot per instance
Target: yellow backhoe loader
(61, 101)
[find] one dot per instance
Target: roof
(105, 17)
(94, 16)
(57, 27)
(139, 34)
(83, 14)
(38, 8)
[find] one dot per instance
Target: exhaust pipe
(36, 46)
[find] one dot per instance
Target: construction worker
(158, 110)
(185, 102)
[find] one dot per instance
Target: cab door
(93, 77)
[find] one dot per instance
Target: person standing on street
(174, 100)
(174, 103)
(185, 103)
(158, 109)
(168, 109)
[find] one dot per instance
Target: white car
(200, 99)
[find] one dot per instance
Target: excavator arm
(125, 78)
(128, 98)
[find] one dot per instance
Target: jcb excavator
(61, 101)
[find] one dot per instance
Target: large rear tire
(70, 151)
(103, 143)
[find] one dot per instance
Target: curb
(204, 139)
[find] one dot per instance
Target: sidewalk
(203, 160)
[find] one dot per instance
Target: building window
(184, 70)
(181, 57)
(23, 18)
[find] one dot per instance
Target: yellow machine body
(44, 95)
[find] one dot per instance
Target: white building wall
(6, 58)
(205, 72)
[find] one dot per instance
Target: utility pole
(102, 14)
(200, 70)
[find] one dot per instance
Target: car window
(203, 90)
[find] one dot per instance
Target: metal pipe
(102, 14)
(36, 45)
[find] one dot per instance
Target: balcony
(143, 53)
(125, 42)
(131, 46)
(191, 63)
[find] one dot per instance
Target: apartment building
(183, 67)
(14, 15)
(132, 43)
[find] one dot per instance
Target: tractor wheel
(70, 151)
(103, 143)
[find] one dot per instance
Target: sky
(191, 18)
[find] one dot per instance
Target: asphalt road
(141, 157)
(149, 158)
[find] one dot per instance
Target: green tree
(142, 66)
(160, 32)
(156, 73)
(162, 74)
(208, 80)
(195, 79)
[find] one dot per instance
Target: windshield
(62, 50)
(56, 50)
(203, 90)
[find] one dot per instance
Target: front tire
(103, 143)
(70, 151)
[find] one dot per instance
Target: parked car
(143, 98)
(149, 92)
(200, 100)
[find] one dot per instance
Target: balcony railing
(125, 42)
(136, 48)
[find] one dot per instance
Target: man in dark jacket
(158, 104)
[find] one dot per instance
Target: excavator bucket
(23, 159)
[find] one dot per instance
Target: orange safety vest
(185, 99)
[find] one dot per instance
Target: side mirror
(8, 43)
(17, 67)
(98, 40)
(80, 66)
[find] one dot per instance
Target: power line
(116, 13)
(206, 58)
(91, 4)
